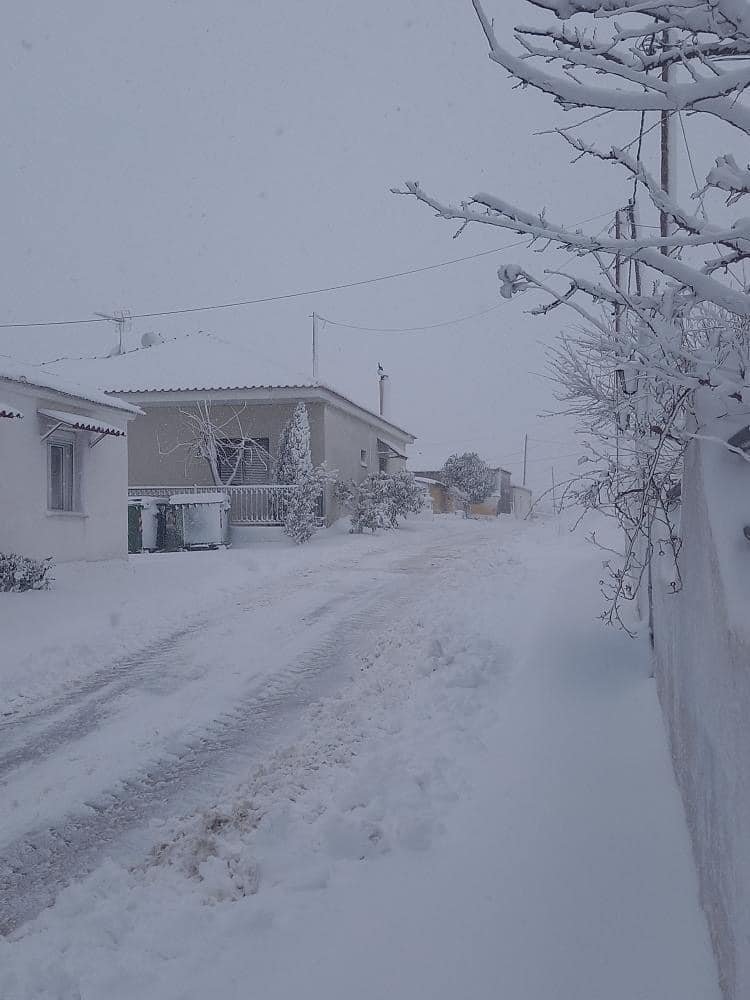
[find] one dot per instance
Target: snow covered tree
(294, 462)
(469, 478)
(654, 59)
(637, 372)
(302, 509)
(221, 441)
(403, 496)
(369, 504)
(295, 468)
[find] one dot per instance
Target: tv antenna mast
(121, 317)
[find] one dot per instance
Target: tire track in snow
(80, 711)
(36, 866)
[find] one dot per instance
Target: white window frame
(363, 458)
(68, 440)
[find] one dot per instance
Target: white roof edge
(82, 422)
(30, 377)
(294, 391)
(6, 410)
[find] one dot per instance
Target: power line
(285, 295)
(411, 329)
(270, 298)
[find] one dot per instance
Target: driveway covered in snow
(410, 765)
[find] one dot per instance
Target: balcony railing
(249, 504)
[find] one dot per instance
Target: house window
(382, 462)
(363, 457)
(61, 473)
(244, 465)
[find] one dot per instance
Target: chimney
(385, 393)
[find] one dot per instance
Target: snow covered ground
(406, 766)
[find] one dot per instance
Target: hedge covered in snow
(21, 573)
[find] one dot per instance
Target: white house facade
(63, 487)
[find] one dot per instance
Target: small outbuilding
(64, 482)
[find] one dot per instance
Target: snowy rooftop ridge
(199, 362)
(195, 362)
(43, 378)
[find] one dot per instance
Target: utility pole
(666, 165)
(525, 449)
(634, 235)
(120, 317)
(315, 319)
(618, 270)
(619, 372)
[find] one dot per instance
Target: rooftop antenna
(120, 317)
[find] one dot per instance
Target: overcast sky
(168, 154)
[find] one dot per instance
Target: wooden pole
(666, 179)
(525, 450)
(315, 347)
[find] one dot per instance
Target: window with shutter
(255, 462)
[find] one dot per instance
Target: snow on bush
(403, 496)
(380, 500)
(370, 505)
(469, 478)
(19, 573)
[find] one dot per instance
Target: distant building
(500, 500)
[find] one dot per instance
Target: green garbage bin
(135, 525)
(146, 523)
(174, 533)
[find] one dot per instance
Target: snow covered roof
(197, 362)
(42, 378)
(9, 411)
(202, 362)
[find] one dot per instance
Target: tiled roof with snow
(42, 378)
(199, 362)
(196, 362)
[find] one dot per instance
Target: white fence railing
(249, 504)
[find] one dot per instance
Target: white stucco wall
(99, 530)
(702, 653)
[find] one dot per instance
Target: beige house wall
(346, 438)
(158, 458)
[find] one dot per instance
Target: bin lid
(146, 501)
(192, 498)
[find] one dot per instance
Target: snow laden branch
(217, 436)
(631, 390)
(486, 209)
(661, 60)
(664, 319)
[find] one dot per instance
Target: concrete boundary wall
(702, 665)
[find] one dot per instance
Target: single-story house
(63, 488)
(250, 399)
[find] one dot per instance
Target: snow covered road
(156, 730)
(409, 766)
